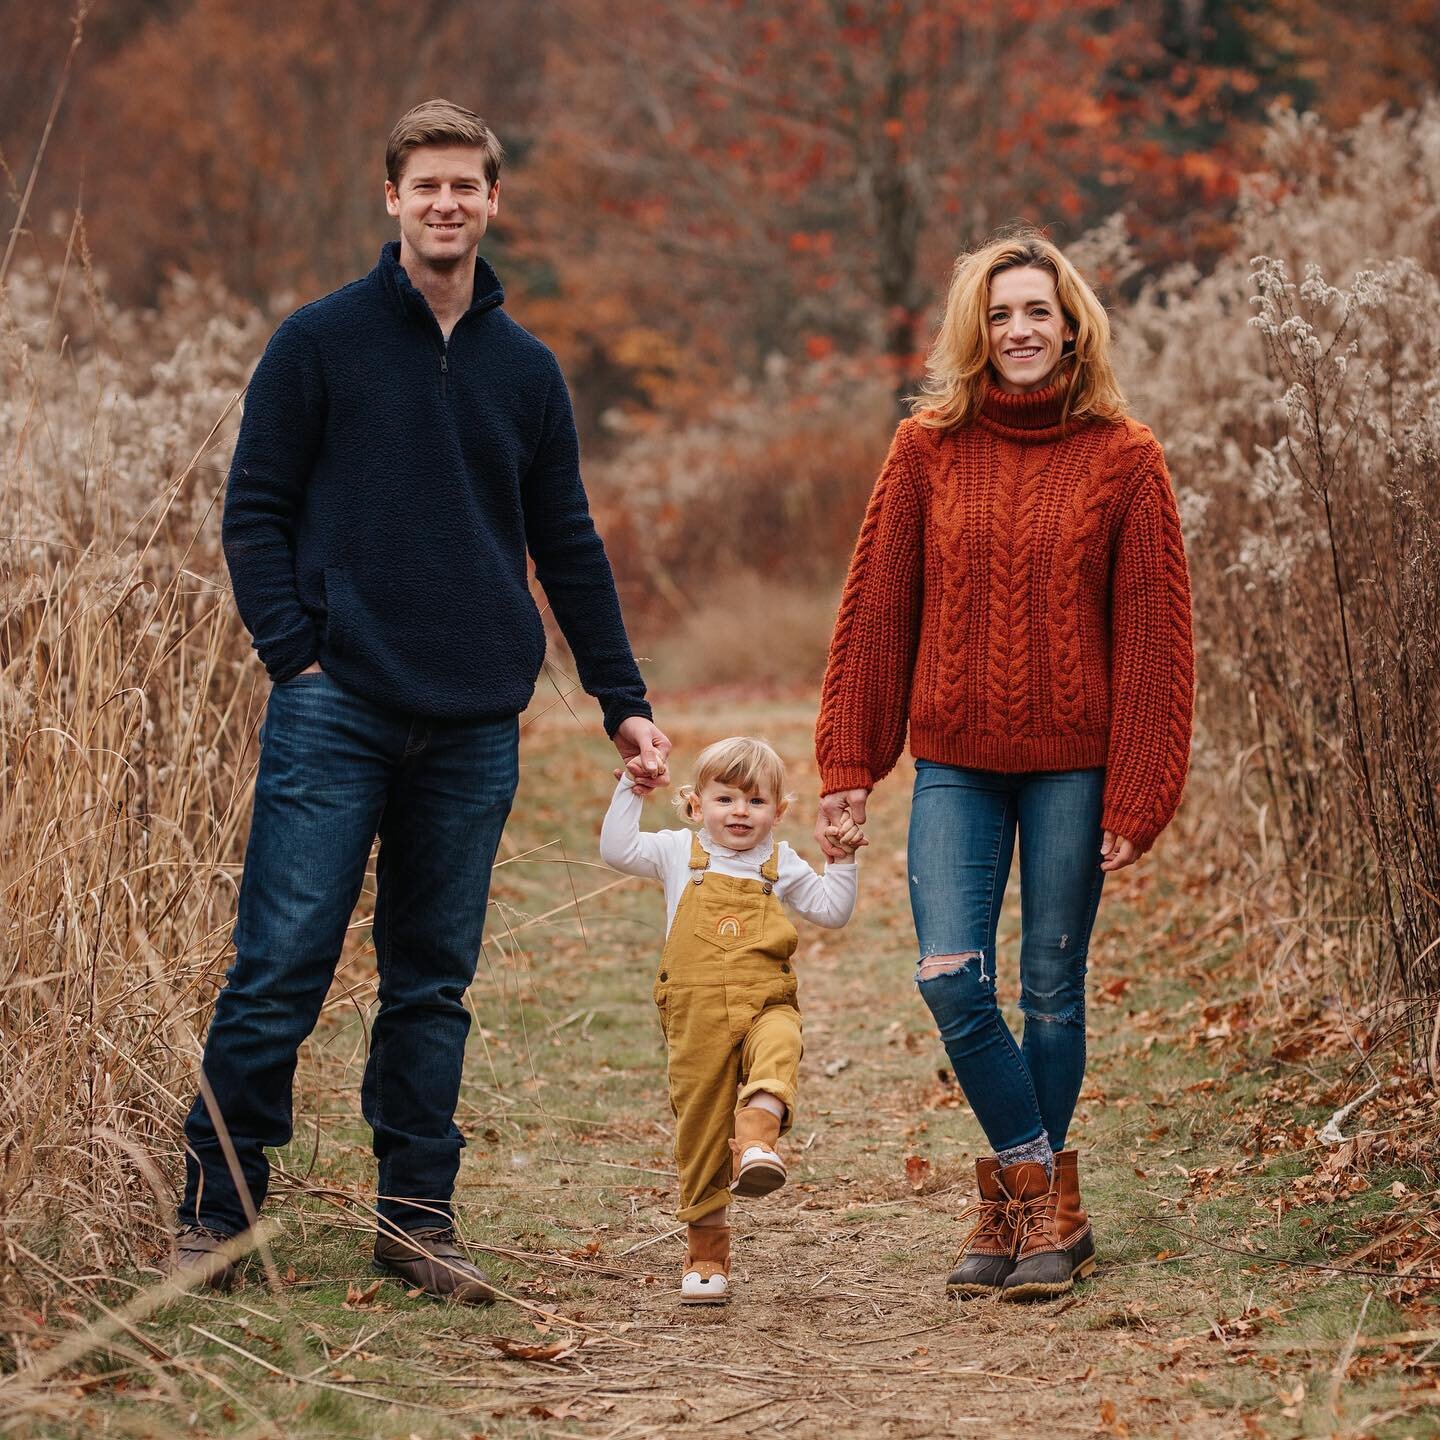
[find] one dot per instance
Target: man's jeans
(962, 837)
(336, 770)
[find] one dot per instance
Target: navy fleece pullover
(384, 491)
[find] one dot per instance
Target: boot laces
(994, 1220)
(1038, 1217)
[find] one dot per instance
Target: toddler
(726, 988)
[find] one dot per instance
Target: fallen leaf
(354, 1295)
(518, 1350)
(917, 1170)
(1110, 1421)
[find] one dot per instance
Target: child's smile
(735, 818)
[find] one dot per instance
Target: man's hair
(958, 366)
(742, 761)
(441, 122)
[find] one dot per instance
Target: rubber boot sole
(968, 1290)
(761, 1178)
(1051, 1290)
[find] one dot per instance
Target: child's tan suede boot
(706, 1277)
(758, 1168)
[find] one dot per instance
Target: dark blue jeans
(962, 837)
(335, 771)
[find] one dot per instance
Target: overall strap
(770, 870)
(699, 858)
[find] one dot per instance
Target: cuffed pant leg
(704, 1069)
(770, 1058)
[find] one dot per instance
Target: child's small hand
(643, 781)
(847, 834)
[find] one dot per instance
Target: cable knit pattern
(878, 621)
(1019, 596)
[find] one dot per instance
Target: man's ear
(392, 199)
(492, 200)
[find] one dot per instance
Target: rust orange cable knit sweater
(1021, 596)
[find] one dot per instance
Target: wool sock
(1036, 1152)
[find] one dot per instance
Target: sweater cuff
(845, 777)
(618, 711)
(286, 658)
(1141, 833)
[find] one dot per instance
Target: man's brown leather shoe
(195, 1248)
(430, 1259)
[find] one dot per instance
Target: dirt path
(839, 1326)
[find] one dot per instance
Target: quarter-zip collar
(390, 275)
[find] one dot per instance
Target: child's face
(735, 818)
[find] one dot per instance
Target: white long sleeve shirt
(827, 898)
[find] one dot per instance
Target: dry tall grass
(1295, 390)
(127, 716)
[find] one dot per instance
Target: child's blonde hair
(744, 761)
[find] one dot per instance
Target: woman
(1019, 594)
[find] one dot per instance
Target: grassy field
(1216, 1209)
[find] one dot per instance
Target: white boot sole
(761, 1172)
(695, 1291)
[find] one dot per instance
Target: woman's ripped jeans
(963, 825)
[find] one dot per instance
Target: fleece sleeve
(571, 565)
(281, 433)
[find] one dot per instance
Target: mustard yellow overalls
(727, 997)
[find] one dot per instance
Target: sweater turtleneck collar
(1035, 416)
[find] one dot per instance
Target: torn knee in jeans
(934, 966)
(1033, 1008)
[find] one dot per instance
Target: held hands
(643, 782)
(645, 749)
(837, 826)
(847, 835)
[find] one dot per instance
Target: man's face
(443, 204)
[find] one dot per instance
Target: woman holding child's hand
(1018, 598)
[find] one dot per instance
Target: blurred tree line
(695, 187)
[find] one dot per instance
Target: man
(404, 444)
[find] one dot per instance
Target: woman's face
(1026, 329)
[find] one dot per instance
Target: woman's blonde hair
(742, 761)
(957, 370)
